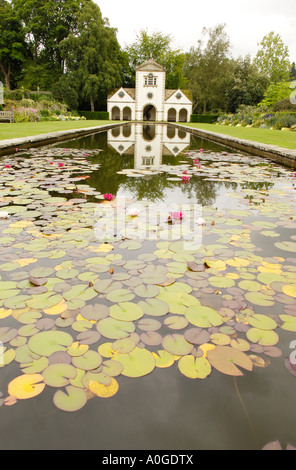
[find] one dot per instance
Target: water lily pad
(194, 367)
(26, 386)
(88, 361)
(115, 329)
(262, 322)
(259, 298)
(120, 295)
(203, 316)
(126, 311)
(46, 343)
(226, 359)
(58, 375)
(72, 400)
(262, 337)
(154, 307)
(289, 322)
(176, 344)
(104, 391)
(137, 363)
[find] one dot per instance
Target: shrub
(206, 118)
(95, 115)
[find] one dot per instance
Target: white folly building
(150, 101)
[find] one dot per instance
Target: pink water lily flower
(196, 160)
(108, 197)
(184, 173)
(7, 166)
(61, 165)
(185, 179)
(176, 215)
(201, 150)
(295, 175)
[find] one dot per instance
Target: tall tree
(93, 55)
(245, 86)
(13, 50)
(207, 68)
(158, 45)
(272, 58)
(47, 23)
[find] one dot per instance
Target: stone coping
(273, 152)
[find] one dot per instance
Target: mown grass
(285, 139)
(28, 129)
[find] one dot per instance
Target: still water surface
(165, 409)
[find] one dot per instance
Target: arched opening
(183, 115)
(127, 114)
(115, 132)
(181, 134)
(172, 115)
(171, 132)
(149, 132)
(149, 113)
(127, 130)
(115, 114)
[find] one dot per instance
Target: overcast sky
(247, 20)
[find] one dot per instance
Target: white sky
(247, 20)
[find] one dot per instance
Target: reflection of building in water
(148, 143)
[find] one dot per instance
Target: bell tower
(150, 91)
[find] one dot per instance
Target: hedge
(207, 118)
(95, 115)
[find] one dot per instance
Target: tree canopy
(67, 47)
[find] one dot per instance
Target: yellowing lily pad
(194, 367)
(104, 391)
(26, 386)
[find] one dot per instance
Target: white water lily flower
(4, 215)
(201, 221)
(133, 212)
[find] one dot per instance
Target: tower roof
(150, 65)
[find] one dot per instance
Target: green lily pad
(126, 311)
(203, 317)
(194, 367)
(176, 344)
(262, 337)
(88, 361)
(46, 343)
(137, 363)
(120, 295)
(115, 329)
(72, 400)
(58, 375)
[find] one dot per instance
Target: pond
(162, 316)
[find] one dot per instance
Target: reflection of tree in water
(156, 188)
(256, 186)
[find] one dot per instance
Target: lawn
(285, 139)
(27, 129)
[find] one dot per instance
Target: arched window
(150, 80)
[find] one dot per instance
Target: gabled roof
(150, 66)
(130, 91)
(169, 93)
